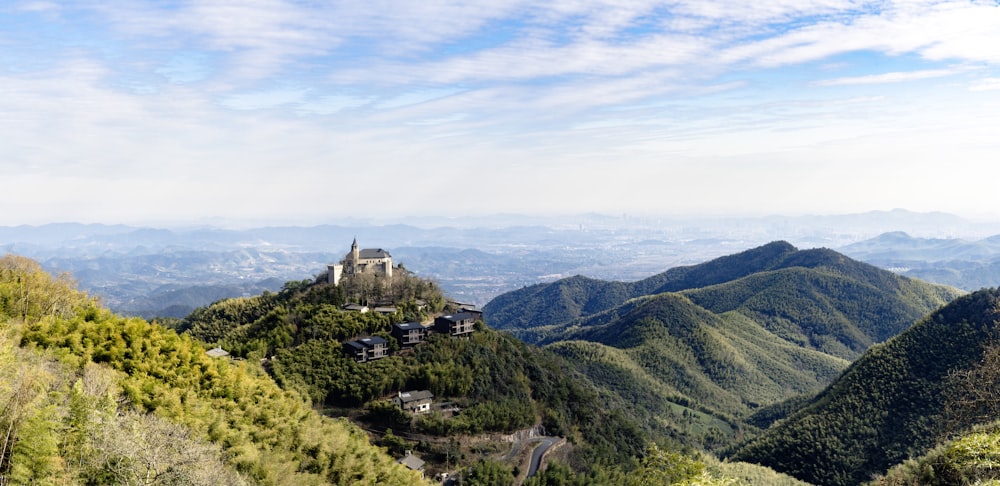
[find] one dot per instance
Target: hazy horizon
(301, 112)
(499, 218)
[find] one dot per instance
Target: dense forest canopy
(710, 354)
(933, 381)
(89, 397)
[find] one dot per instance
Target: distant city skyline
(282, 112)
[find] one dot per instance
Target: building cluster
(406, 334)
(410, 334)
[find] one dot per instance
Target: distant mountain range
(968, 264)
(167, 272)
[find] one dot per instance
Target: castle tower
(355, 254)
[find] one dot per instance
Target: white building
(373, 260)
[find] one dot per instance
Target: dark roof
(412, 396)
(370, 253)
(371, 341)
(355, 344)
(461, 316)
(406, 326)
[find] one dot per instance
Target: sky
(309, 112)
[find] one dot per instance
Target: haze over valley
(168, 272)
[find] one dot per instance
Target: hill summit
(696, 350)
(816, 298)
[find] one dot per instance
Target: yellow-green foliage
(27, 293)
(267, 435)
(662, 467)
(973, 458)
(746, 474)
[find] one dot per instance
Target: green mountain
(895, 402)
(88, 397)
(714, 344)
(567, 299)
(669, 357)
(500, 384)
(816, 298)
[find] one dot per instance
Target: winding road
(544, 444)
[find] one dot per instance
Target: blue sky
(281, 112)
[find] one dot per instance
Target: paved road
(544, 443)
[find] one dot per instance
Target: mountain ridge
(885, 407)
(771, 323)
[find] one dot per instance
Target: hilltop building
(358, 261)
(367, 349)
(409, 334)
(461, 324)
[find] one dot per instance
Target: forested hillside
(696, 364)
(87, 397)
(567, 299)
(693, 372)
(936, 379)
(500, 383)
(898, 300)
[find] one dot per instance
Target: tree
(35, 457)
(143, 449)
(28, 293)
(974, 393)
(486, 472)
(660, 468)
(18, 403)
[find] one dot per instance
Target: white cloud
(272, 98)
(988, 84)
(885, 78)
(261, 106)
(416, 97)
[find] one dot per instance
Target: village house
(460, 324)
(385, 309)
(367, 349)
(356, 308)
(409, 333)
(217, 352)
(418, 401)
(412, 462)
